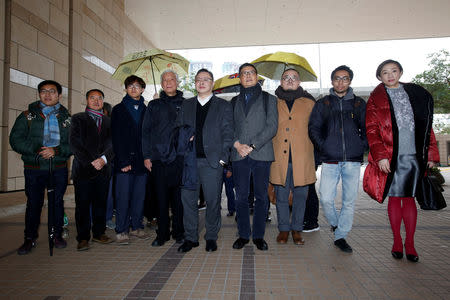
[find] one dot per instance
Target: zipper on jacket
(342, 130)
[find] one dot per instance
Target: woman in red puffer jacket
(402, 144)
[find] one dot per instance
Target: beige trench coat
(293, 132)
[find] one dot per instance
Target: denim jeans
(260, 170)
(329, 179)
(129, 195)
(298, 203)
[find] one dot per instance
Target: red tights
(407, 212)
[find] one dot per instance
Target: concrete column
(5, 52)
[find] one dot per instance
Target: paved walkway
(316, 270)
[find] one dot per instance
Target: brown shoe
(283, 237)
(297, 237)
(83, 245)
(103, 239)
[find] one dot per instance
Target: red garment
(383, 136)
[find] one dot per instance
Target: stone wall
(75, 42)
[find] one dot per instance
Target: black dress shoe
(159, 242)
(230, 214)
(240, 243)
(342, 244)
(187, 246)
(412, 257)
(397, 255)
(211, 245)
(261, 244)
(28, 244)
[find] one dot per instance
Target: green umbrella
(149, 65)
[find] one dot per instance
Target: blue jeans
(242, 170)
(130, 195)
(298, 203)
(36, 181)
(329, 179)
(229, 191)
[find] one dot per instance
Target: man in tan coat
(293, 168)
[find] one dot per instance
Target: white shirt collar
(204, 100)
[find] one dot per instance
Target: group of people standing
(186, 144)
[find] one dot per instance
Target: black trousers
(312, 206)
(167, 179)
(90, 193)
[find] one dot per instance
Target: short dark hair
(52, 82)
(133, 78)
(107, 108)
(203, 70)
(94, 90)
(342, 68)
(247, 65)
(389, 61)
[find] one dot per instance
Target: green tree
(437, 80)
(188, 83)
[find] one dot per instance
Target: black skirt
(406, 176)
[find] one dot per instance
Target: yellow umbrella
(230, 84)
(274, 64)
(149, 65)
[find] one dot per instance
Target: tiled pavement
(316, 270)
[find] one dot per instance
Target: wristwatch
(252, 146)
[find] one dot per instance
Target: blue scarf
(51, 126)
(131, 105)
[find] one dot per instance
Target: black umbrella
(51, 208)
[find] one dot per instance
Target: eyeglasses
(288, 77)
(345, 79)
(136, 86)
(248, 73)
(51, 92)
(198, 80)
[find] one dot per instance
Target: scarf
(97, 116)
(290, 95)
(51, 126)
(134, 107)
(250, 93)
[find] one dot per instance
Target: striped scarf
(51, 126)
(97, 116)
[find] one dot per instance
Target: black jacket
(158, 128)
(127, 140)
(87, 144)
(337, 128)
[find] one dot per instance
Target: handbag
(429, 194)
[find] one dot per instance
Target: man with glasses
(160, 157)
(41, 135)
(255, 124)
(293, 168)
(212, 121)
(129, 169)
(337, 129)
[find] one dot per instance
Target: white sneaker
(122, 238)
(140, 234)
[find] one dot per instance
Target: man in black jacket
(90, 142)
(160, 157)
(337, 129)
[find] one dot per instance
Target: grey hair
(170, 71)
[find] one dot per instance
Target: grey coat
(217, 130)
(257, 128)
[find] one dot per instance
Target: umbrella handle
(153, 74)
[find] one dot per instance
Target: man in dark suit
(255, 124)
(90, 142)
(213, 122)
